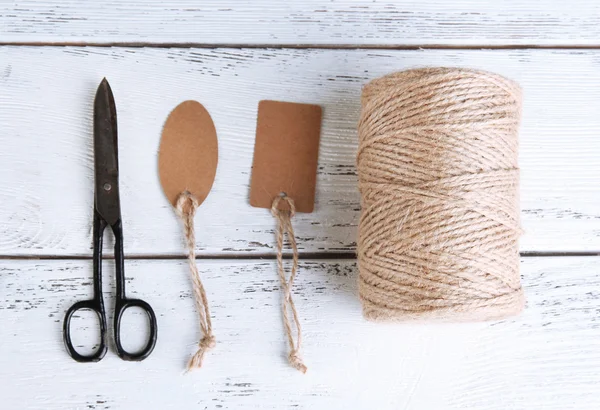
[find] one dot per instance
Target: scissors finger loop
(101, 351)
(119, 311)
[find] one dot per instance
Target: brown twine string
(186, 209)
(284, 225)
(438, 176)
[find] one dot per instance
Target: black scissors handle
(120, 308)
(122, 303)
(97, 307)
(96, 304)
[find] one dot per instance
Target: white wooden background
(229, 55)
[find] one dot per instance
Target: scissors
(107, 212)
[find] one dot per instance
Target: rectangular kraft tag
(286, 154)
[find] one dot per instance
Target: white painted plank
(547, 358)
(350, 22)
(46, 154)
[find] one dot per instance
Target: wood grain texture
(343, 22)
(547, 358)
(47, 160)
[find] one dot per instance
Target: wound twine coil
(186, 210)
(438, 177)
(284, 226)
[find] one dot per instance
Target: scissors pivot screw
(107, 187)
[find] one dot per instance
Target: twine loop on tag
(284, 226)
(186, 210)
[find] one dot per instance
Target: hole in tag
(85, 331)
(135, 329)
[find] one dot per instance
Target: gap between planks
(263, 256)
(128, 44)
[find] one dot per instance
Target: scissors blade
(106, 159)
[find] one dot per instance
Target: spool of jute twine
(439, 179)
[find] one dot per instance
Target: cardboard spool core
(188, 153)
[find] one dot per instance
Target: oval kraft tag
(188, 153)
